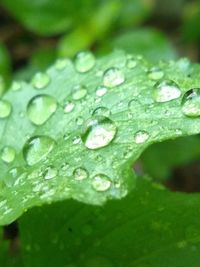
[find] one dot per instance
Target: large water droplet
(50, 172)
(191, 103)
(101, 91)
(99, 132)
(101, 182)
(155, 73)
(141, 137)
(8, 154)
(40, 80)
(84, 61)
(101, 111)
(80, 174)
(79, 92)
(166, 90)
(5, 109)
(37, 148)
(40, 108)
(113, 77)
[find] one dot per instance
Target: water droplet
(14, 176)
(76, 140)
(68, 107)
(37, 148)
(79, 92)
(61, 63)
(16, 86)
(50, 172)
(134, 105)
(79, 120)
(191, 103)
(5, 109)
(40, 108)
(84, 61)
(155, 73)
(113, 77)
(101, 182)
(100, 91)
(141, 137)
(166, 90)
(131, 62)
(99, 132)
(80, 174)
(40, 80)
(101, 111)
(8, 154)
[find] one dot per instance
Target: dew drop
(80, 174)
(166, 90)
(8, 154)
(5, 109)
(68, 107)
(155, 73)
(100, 91)
(14, 176)
(141, 137)
(16, 86)
(61, 63)
(50, 172)
(101, 182)
(40, 80)
(37, 148)
(84, 61)
(131, 62)
(99, 132)
(101, 111)
(79, 120)
(113, 77)
(79, 92)
(40, 108)
(191, 103)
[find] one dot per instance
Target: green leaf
(57, 158)
(150, 43)
(160, 159)
(57, 16)
(150, 227)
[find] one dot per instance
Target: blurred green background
(33, 34)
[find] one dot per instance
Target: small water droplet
(166, 90)
(80, 174)
(40, 108)
(99, 132)
(14, 176)
(79, 120)
(8, 154)
(101, 111)
(113, 77)
(50, 172)
(84, 61)
(155, 73)
(79, 92)
(68, 107)
(5, 109)
(37, 148)
(141, 137)
(76, 140)
(61, 63)
(40, 80)
(100, 91)
(16, 86)
(101, 182)
(131, 62)
(191, 103)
